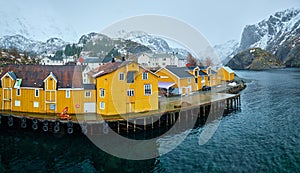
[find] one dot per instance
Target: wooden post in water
(152, 121)
(167, 119)
(145, 123)
(159, 122)
(118, 127)
(134, 125)
(127, 125)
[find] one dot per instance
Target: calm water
(264, 136)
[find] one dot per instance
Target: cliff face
(279, 35)
(255, 59)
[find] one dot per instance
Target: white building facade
(160, 60)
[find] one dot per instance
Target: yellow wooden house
(177, 77)
(45, 89)
(226, 73)
(201, 78)
(212, 79)
(125, 87)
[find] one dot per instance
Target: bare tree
(208, 61)
(191, 60)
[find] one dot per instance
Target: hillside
(95, 44)
(255, 59)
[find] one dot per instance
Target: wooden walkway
(184, 108)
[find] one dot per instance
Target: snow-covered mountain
(276, 29)
(279, 34)
(155, 43)
(224, 51)
(35, 24)
(24, 44)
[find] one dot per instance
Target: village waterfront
(263, 136)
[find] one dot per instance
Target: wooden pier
(181, 113)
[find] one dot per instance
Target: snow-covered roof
(228, 69)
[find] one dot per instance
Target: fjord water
(263, 137)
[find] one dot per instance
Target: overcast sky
(218, 21)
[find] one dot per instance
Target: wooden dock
(186, 111)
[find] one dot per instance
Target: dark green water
(263, 137)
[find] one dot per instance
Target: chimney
(123, 58)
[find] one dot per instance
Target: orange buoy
(64, 114)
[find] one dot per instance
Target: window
(130, 92)
(52, 106)
(196, 73)
(189, 80)
(121, 76)
(68, 94)
(147, 89)
(196, 80)
(36, 104)
(17, 103)
(130, 77)
(145, 75)
(102, 93)
(102, 105)
(87, 94)
(18, 92)
(37, 93)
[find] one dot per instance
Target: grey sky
(218, 21)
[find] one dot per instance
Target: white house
(51, 61)
(161, 60)
(90, 63)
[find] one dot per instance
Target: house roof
(92, 60)
(34, 75)
(228, 69)
(200, 67)
(107, 68)
(202, 73)
(106, 59)
(180, 72)
(12, 75)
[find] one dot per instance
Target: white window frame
(89, 95)
(68, 94)
(18, 92)
(102, 92)
(130, 92)
(121, 76)
(17, 103)
(102, 105)
(147, 87)
(36, 92)
(35, 104)
(145, 75)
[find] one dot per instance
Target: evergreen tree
(59, 54)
